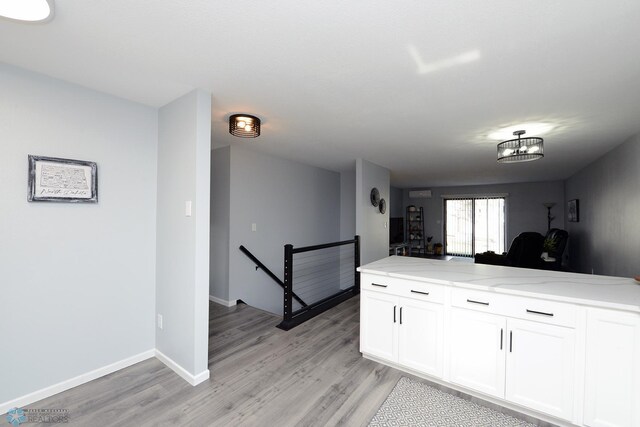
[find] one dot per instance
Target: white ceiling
(415, 86)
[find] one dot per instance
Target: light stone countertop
(618, 293)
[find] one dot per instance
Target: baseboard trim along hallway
(65, 385)
(191, 379)
(223, 301)
(43, 393)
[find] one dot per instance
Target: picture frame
(573, 210)
(52, 179)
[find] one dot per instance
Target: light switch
(254, 227)
(187, 208)
(385, 224)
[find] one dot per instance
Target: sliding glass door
(474, 224)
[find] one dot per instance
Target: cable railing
(316, 278)
(260, 265)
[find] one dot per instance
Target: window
(474, 224)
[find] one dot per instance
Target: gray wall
(290, 203)
(220, 209)
(371, 225)
(347, 205)
(525, 210)
(347, 225)
(605, 241)
(182, 251)
(77, 280)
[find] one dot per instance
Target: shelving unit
(415, 229)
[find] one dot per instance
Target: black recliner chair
(525, 251)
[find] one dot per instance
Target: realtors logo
(16, 416)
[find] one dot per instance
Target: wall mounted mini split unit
(419, 194)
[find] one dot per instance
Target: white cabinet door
(478, 351)
(612, 374)
(420, 332)
(378, 318)
(540, 367)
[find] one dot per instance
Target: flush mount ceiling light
(520, 149)
(27, 10)
(244, 125)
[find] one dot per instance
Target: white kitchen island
(563, 347)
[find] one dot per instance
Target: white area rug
(412, 403)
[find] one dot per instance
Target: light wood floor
(313, 375)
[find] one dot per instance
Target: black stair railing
(291, 318)
(316, 263)
(260, 265)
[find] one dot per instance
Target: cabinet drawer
(479, 300)
(551, 312)
(423, 291)
(377, 283)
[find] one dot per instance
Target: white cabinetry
(562, 347)
(540, 367)
(477, 351)
(378, 331)
(402, 330)
(420, 336)
(612, 376)
(523, 361)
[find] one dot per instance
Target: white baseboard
(223, 301)
(101, 372)
(74, 382)
(191, 379)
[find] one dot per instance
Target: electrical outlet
(160, 326)
(254, 227)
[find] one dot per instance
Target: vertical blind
(474, 224)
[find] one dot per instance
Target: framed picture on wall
(62, 180)
(573, 210)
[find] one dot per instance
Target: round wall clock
(375, 196)
(382, 206)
